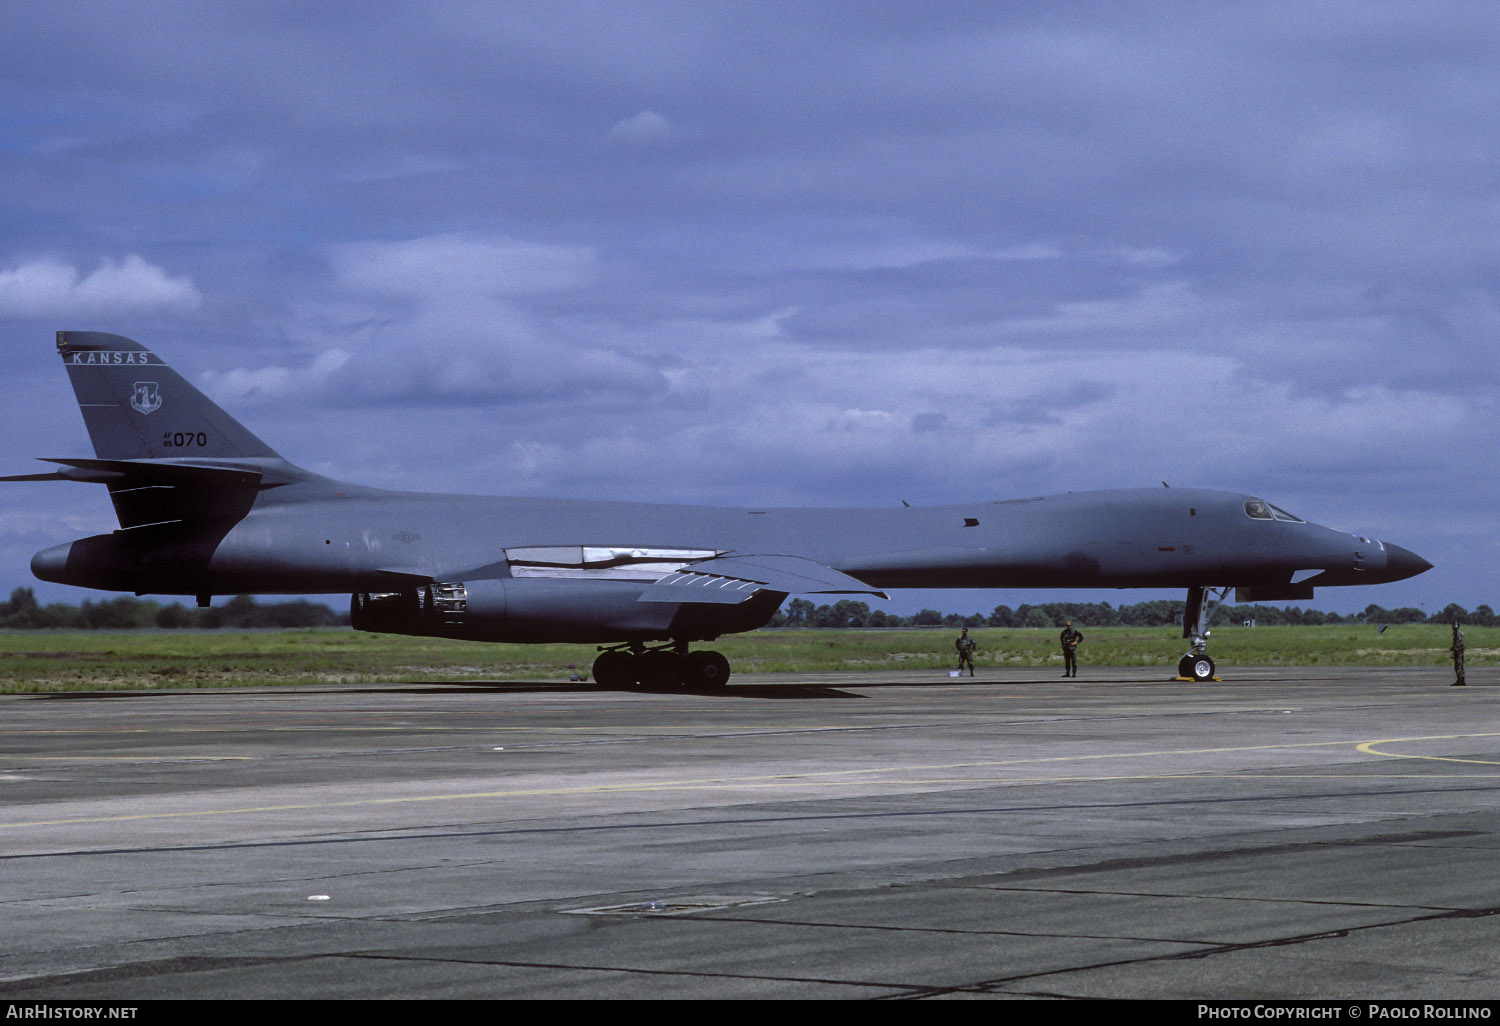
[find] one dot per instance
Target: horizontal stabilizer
(70, 474)
(155, 491)
(143, 471)
(734, 578)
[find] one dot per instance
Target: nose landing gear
(1202, 603)
(1196, 667)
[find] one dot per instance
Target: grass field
(37, 661)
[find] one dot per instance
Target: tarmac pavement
(1320, 833)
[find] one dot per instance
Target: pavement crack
(1270, 900)
(637, 970)
(145, 970)
(990, 986)
(886, 928)
(1191, 858)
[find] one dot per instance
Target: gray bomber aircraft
(207, 508)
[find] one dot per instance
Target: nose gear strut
(1202, 603)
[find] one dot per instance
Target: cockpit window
(1259, 509)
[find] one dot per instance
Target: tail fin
(136, 407)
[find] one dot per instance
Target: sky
(847, 253)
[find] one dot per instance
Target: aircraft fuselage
(357, 538)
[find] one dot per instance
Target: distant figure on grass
(965, 646)
(1458, 656)
(1069, 638)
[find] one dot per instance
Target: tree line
(1157, 613)
(23, 612)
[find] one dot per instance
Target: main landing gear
(669, 666)
(1202, 603)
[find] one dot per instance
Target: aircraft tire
(705, 670)
(615, 670)
(660, 669)
(1199, 668)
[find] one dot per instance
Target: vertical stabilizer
(136, 407)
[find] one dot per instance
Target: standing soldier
(965, 646)
(1458, 656)
(1070, 639)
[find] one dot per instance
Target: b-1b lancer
(206, 508)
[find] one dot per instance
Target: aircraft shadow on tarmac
(461, 688)
(785, 691)
(773, 691)
(779, 692)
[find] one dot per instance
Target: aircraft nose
(1403, 563)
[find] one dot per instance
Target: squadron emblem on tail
(146, 397)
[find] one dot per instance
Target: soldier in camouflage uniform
(965, 646)
(1069, 639)
(1458, 656)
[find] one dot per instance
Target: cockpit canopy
(1260, 509)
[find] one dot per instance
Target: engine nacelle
(551, 610)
